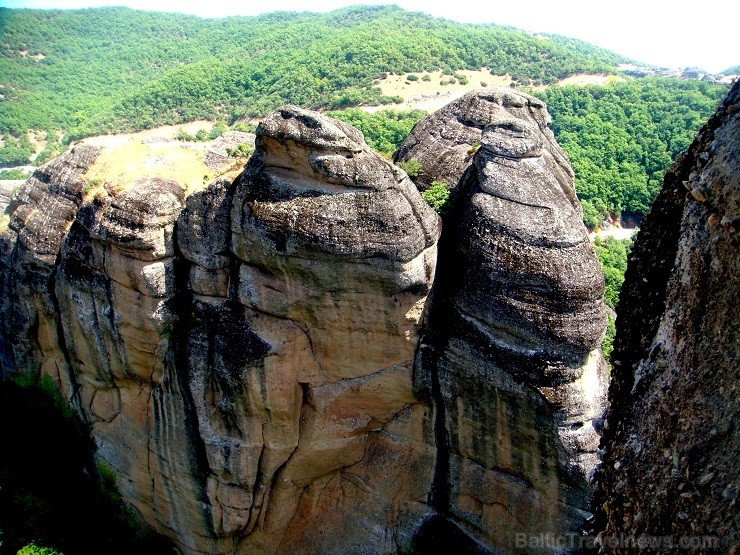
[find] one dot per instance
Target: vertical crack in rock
(182, 302)
(74, 387)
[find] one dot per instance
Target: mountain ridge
(152, 43)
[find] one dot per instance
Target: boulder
(219, 154)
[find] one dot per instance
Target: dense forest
(612, 254)
(113, 69)
(620, 138)
(68, 74)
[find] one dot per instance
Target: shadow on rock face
(439, 534)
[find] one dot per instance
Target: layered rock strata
(40, 214)
(243, 356)
(444, 143)
(511, 350)
(671, 442)
(249, 358)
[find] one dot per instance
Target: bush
(183, 135)
(437, 196)
(51, 150)
(33, 549)
(591, 217)
(426, 77)
(411, 77)
(607, 345)
(14, 174)
(242, 150)
(411, 167)
(244, 127)
(218, 128)
(383, 130)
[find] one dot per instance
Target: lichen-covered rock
(671, 443)
(445, 142)
(335, 254)
(511, 350)
(248, 357)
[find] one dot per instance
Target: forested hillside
(112, 69)
(620, 138)
(68, 74)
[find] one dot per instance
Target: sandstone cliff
(261, 364)
(671, 442)
(511, 350)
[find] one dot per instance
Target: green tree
(383, 130)
(612, 254)
(33, 549)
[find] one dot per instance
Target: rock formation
(248, 357)
(220, 153)
(40, 215)
(243, 356)
(445, 142)
(7, 187)
(511, 350)
(301, 375)
(671, 441)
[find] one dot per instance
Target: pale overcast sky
(674, 33)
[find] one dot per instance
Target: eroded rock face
(335, 253)
(244, 356)
(511, 351)
(671, 442)
(40, 214)
(249, 357)
(117, 296)
(445, 142)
